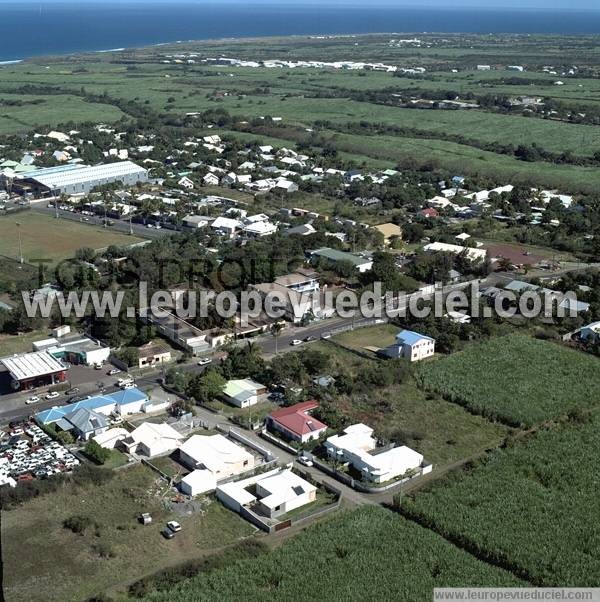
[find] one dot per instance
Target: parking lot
(27, 452)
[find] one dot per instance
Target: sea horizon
(66, 28)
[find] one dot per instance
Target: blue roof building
(124, 402)
(410, 345)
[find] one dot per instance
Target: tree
(275, 331)
(207, 386)
(77, 523)
(96, 452)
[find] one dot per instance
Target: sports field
(44, 237)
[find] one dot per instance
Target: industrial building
(30, 370)
(78, 179)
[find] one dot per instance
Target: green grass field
(443, 432)
(375, 336)
(414, 562)
(44, 237)
(11, 344)
(515, 379)
(531, 508)
(45, 561)
(299, 96)
(52, 111)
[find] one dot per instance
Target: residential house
(217, 454)
(411, 346)
(360, 262)
(357, 447)
(227, 226)
(186, 183)
(243, 393)
(152, 355)
(303, 230)
(150, 439)
(210, 179)
(272, 494)
(474, 254)
(83, 423)
(590, 332)
(296, 423)
(389, 231)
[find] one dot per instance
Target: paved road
(119, 225)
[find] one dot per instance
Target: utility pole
(130, 226)
(18, 224)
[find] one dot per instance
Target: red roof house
(429, 212)
(296, 423)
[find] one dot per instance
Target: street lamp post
(18, 224)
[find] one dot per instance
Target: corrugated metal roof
(32, 365)
(70, 177)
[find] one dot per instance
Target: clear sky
(512, 4)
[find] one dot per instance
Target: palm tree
(276, 329)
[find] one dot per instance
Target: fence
(354, 326)
(263, 451)
(278, 442)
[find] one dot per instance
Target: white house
(186, 183)
(243, 393)
(210, 179)
(441, 247)
(227, 226)
(271, 494)
(411, 346)
(198, 482)
(217, 454)
(355, 447)
(150, 439)
(260, 229)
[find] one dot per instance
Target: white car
(296, 342)
(305, 461)
(204, 361)
(174, 526)
(52, 395)
(113, 371)
(32, 400)
(126, 386)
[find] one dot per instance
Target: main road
(118, 225)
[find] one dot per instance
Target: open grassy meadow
(44, 237)
(51, 110)
(443, 432)
(376, 336)
(45, 561)
(515, 379)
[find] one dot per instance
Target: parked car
(33, 399)
(174, 526)
(167, 533)
(326, 335)
(305, 461)
(52, 395)
(296, 342)
(204, 361)
(72, 391)
(114, 371)
(127, 385)
(309, 339)
(98, 366)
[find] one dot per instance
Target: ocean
(34, 29)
